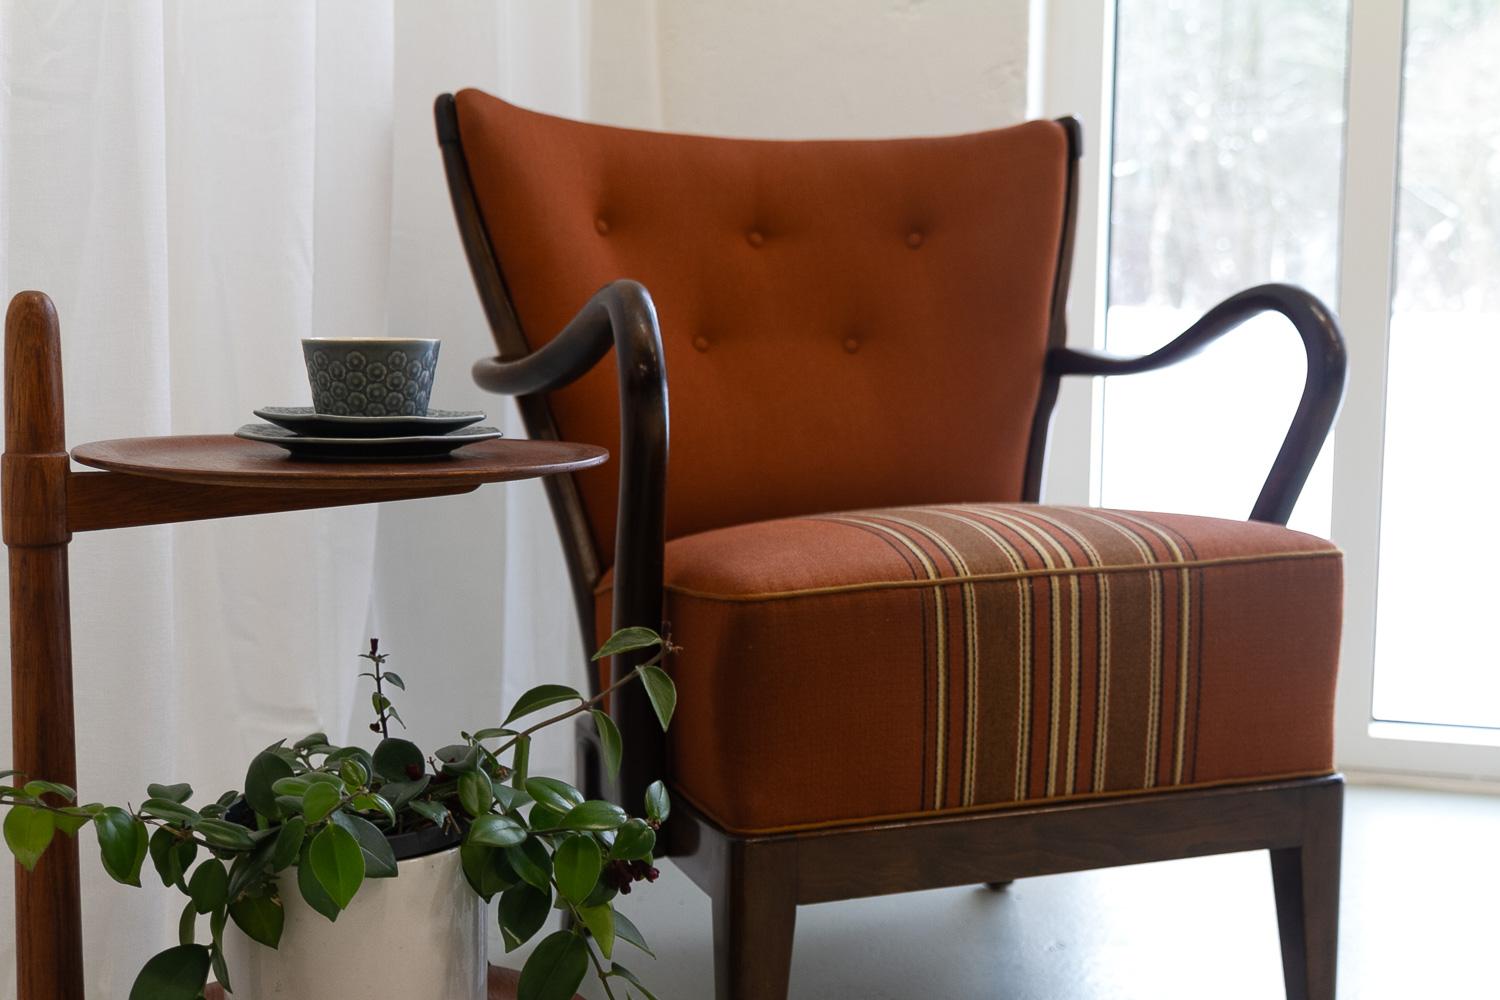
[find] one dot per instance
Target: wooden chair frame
(757, 882)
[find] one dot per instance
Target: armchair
(898, 670)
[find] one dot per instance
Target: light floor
(1420, 922)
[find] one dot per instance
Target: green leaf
(221, 969)
(393, 757)
(629, 932)
(28, 831)
(532, 863)
(491, 830)
(540, 697)
(209, 886)
(544, 817)
(494, 732)
(399, 793)
(74, 818)
(509, 798)
(627, 640)
(178, 793)
(176, 974)
(187, 924)
(288, 843)
(555, 969)
(475, 793)
(164, 855)
(595, 814)
(187, 853)
(341, 754)
(353, 774)
(371, 802)
(600, 920)
(311, 740)
(36, 789)
(458, 758)
(172, 812)
(431, 811)
(380, 859)
(619, 971)
(393, 678)
(312, 891)
(633, 842)
(662, 692)
(248, 869)
(523, 911)
(611, 746)
(658, 803)
(486, 869)
(576, 864)
(123, 843)
(220, 833)
(554, 793)
(319, 801)
(260, 917)
(337, 863)
(265, 770)
(295, 786)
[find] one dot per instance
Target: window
(1352, 148)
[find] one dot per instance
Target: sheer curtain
(197, 186)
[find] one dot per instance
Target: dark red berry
(374, 646)
(413, 771)
(374, 727)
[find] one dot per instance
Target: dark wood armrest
(1322, 392)
(619, 315)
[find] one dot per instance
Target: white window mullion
(1074, 65)
(1366, 281)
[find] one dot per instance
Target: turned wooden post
(34, 487)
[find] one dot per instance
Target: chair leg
(1306, 878)
(755, 914)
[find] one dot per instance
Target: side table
(158, 480)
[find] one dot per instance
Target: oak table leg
(49, 927)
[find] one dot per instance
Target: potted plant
(336, 862)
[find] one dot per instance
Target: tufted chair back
(846, 324)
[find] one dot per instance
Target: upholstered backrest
(846, 323)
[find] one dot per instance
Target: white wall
(810, 68)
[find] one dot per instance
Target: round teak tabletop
(223, 460)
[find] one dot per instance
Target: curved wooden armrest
(1322, 392)
(619, 315)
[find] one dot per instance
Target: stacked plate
(308, 434)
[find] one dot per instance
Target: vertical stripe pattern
(1060, 683)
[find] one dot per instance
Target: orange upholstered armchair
(897, 670)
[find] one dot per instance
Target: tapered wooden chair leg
(1307, 898)
(755, 916)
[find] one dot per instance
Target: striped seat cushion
(888, 663)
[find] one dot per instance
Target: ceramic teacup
(370, 376)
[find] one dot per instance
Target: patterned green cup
(370, 376)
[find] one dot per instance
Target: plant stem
(383, 719)
(598, 965)
(584, 705)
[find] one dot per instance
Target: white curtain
(198, 185)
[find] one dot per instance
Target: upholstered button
(601, 226)
(700, 344)
(755, 237)
(914, 239)
(851, 344)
